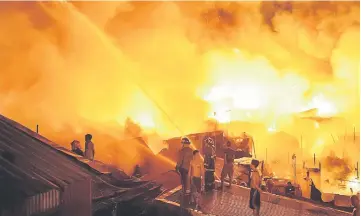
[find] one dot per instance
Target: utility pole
(314, 159)
(301, 140)
(344, 143)
(254, 147)
(354, 134)
(294, 167)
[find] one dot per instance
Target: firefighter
(209, 163)
(185, 156)
(89, 147)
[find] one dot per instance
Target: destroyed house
(174, 144)
(44, 178)
(18, 188)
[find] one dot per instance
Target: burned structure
(40, 177)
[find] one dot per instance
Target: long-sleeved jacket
(185, 156)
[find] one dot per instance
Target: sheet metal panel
(42, 203)
(77, 198)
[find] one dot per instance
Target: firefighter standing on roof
(185, 156)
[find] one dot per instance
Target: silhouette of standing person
(255, 193)
(227, 170)
(89, 147)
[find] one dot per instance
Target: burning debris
(339, 167)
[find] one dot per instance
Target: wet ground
(234, 201)
(230, 202)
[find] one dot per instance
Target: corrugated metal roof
(41, 159)
(19, 187)
(37, 158)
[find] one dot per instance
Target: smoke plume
(87, 67)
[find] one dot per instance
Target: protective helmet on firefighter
(185, 141)
(209, 141)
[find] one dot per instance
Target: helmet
(185, 140)
(209, 141)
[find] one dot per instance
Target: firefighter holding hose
(227, 170)
(185, 156)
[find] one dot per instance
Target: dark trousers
(227, 171)
(209, 181)
(254, 199)
(184, 179)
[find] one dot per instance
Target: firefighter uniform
(185, 156)
(209, 163)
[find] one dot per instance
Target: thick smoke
(340, 168)
(86, 67)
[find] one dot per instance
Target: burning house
(38, 176)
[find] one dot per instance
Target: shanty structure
(39, 177)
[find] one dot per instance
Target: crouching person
(197, 178)
(75, 147)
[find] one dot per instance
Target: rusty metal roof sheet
(55, 166)
(41, 158)
(16, 186)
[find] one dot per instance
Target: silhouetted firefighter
(209, 163)
(185, 156)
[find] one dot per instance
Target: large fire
(87, 67)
